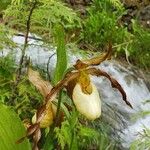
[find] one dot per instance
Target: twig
(29, 37)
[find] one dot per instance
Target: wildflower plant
(79, 87)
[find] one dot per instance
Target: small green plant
(101, 25)
(136, 46)
(5, 37)
(25, 98)
(142, 141)
(100, 28)
(4, 4)
(74, 135)
(139, 48)
(7, 68)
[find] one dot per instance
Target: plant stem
(122, 44)
(49, 141)
(18, 72)
(72, 139)
(58, 108)
(50, 135)
(48, 72)
(25, 42)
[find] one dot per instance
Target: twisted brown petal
(114, 82)
(80, 64)
(40, 113)
(68, 77)
(29, 132)
(32, 129)
(36, 138)
(97, 60)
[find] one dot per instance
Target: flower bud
(47, 120)
(88, 105)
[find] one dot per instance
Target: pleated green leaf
(11, 129)
(61, 65)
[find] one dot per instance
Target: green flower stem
(58, 108)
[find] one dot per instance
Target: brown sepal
(43, 86)
(114, 83)
(68, 77)
(94, 61)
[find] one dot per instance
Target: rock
(144, 16)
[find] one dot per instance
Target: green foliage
(102, 26)
(74, 135)
(7, 68)
(139, 48)
(4, 4)
(96, 27)
(107, 6)
(66, 135)
(117, 4)
(11, 129)
(26, 98)
(143, 142)
(95, 139)
(61, 67)
(136, 46)
(45, 16)
(61, 64)
(5, 37)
